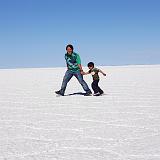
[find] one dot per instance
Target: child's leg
(95, 86)
(100, 90)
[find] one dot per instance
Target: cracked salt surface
(124, 124)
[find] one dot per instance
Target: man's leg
(68, 75)
(79, 76)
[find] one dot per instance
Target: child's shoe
(96, 94)
(101, 93)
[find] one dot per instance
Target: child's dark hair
(70, 46)
(90, 64)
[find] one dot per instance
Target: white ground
(124, 124)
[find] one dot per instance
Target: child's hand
(82, 72)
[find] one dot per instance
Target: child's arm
(85, 73)
(102, 72)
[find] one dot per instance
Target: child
(94, 72)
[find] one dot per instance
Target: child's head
(90, 65)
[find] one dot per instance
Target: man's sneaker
(88, 93)
(59, 93)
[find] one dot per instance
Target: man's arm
(67, 66)
(81, 69)
(78, 60)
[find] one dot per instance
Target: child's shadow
(76, 93)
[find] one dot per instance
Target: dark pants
(68, 75)
(95, 87)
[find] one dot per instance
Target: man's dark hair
(90, 64)
(70, 46)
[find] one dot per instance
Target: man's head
(90, 65)
(69, 49)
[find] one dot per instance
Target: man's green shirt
(72, 61)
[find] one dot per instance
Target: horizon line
(125, 65)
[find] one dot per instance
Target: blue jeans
(68, 75)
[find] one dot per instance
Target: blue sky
(34, 33)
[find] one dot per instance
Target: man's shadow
(76, 93)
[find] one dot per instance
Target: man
(74, 66)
